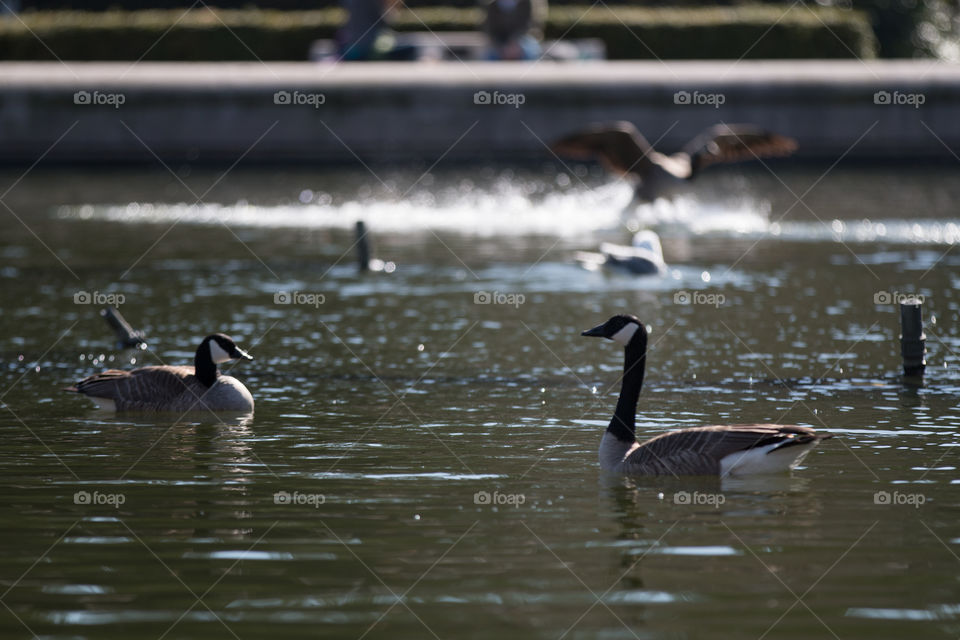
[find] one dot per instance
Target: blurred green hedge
(751, 31)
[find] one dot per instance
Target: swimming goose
(644, 257)
(166, 388)
(623, 151)
(715, 450)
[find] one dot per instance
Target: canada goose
(623, 151)
(644, 257)
(166, 388)
(715, 450)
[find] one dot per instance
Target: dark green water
(389, 413)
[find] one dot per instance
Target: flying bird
(625, 152)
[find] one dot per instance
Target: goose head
(216, 349)
(624, 329)
(222, 348)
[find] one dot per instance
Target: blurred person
(366, 35)
(514, 28)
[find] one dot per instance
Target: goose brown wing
(618, 145)
(735, 142)
(143, 386)
(698, 451)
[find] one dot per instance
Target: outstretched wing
(736, 142)
(140, 387)
(618, 145)
(698, 451)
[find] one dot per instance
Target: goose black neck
(694, 166)
(204, 367)
(623, 424)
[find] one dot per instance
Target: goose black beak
(596, 332)
(240, 354)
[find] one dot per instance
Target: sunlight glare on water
(508, 206)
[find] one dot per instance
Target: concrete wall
(216, 113)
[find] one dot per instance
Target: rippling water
(421, 465)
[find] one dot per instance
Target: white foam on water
(743, 216)
(506, 212)
(530, 208)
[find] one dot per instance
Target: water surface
(422, 464)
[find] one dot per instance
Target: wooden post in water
(912, 340)
(127, 338)
(364, 261)
(363, 247)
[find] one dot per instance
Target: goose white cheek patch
(623, 336)
(217, 354)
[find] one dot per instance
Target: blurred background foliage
(903, 28)
(629, 33)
